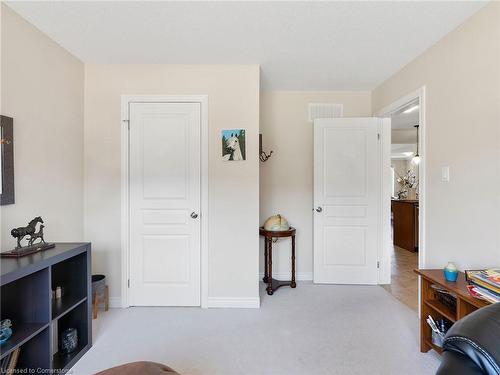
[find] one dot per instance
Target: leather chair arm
(474, 341)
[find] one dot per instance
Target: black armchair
(472, 345)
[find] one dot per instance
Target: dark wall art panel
(7, 160)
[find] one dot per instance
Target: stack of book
(9, 362)
(484, 284)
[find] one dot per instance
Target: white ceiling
(401, 120)
(299, 45)
(405, 122)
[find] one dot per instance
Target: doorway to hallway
(406, 245)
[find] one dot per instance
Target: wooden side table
(273, 284)
(431, 305)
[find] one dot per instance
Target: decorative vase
(412, 193)
(69, 340)
(450, 272)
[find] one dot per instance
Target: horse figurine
(29, 230)
(37, 235)
(233, 144)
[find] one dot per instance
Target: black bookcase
(26, 299)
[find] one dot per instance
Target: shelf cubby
(76, 318)
(442, 309)
(64, 305)
(35, 353)
(27, 319)
(21, 334)
(71, 276)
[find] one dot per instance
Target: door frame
(385, 274)
(125, 196)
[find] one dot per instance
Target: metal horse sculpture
(37, 235)
(29, 230)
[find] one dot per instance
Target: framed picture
(6, 160)
(233, 145)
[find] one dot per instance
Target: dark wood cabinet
(37, 318)
(405, 224)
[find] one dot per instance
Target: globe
(276, 223)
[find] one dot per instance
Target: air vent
(324, 110)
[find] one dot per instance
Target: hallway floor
(404, 282)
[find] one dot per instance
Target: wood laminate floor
(404, 282)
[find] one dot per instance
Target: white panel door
(165, 204)
(347, 189)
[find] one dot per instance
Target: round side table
(273, 284)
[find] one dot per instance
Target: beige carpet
(313, 329)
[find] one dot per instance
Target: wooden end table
(431, 305)
(273, 284)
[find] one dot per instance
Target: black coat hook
(262, 155)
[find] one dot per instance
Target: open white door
(165, 191)
(347, 200)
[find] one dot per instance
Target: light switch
(445, 174)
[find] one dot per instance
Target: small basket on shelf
(446, 298)
(437, 339)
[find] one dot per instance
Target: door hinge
(128, 283)
(378, 264)
(127, 122)
(378, 136)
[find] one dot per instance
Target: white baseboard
(115, 302)
(230, 302)
(242, 303)
(299, 276)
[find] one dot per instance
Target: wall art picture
(233, 145)
(6, 160)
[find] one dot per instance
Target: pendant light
(416, 158)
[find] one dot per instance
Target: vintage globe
(276, 223)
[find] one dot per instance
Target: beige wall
(403, 136)
(286, 179)
(233, 92)
(461, 74)
(42, 89)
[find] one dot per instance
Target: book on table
(484, 284)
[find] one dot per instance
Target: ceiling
(402, 121)
(299, 45)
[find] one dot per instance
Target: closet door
(165, 204)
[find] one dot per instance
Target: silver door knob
(319, 209)
(194, 215)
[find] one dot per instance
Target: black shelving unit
(26, 299)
